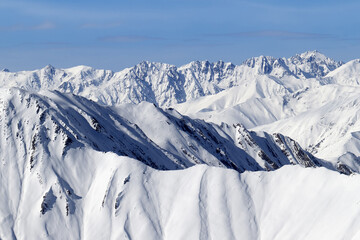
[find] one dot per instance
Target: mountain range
(205, 150)
(166, 85)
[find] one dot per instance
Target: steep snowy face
(36, 127)
(274, 151)
(224, 145)
(79, 80)
(347, 74)
(153, 82)
(205, 78)
(269, 65)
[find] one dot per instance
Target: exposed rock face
(273, 151)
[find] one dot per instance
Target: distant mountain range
(166, 85)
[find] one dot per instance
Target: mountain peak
(146, 65)
(312, 64)
(49, 66)
(48, 70)
(263, 64)
(313, 55)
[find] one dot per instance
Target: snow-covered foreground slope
(96, 195)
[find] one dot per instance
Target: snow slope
(347, 74)
(327, 128)
(92, 195)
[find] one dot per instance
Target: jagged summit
(49, 66)
(49, 70)
(153, 65)
(206, 64)
(268, 65)
(310, 64)
(311, 55)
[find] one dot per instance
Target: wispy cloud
(276, 34)
(18, 27)
(101, 25)
(129, 38)
(44, 26)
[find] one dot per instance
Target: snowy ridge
(197, 139)
(35, 127)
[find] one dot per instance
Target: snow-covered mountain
(68, 164)
(249, 143)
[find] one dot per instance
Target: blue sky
(118, 34)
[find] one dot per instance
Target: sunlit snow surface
(98, 195)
